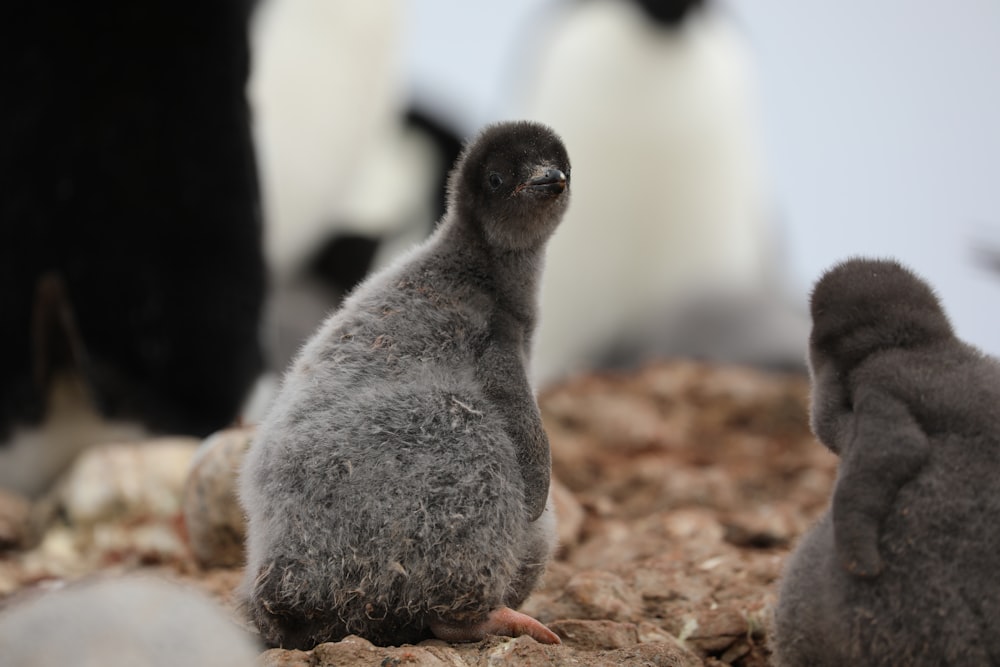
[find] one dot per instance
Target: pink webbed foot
(503, 621)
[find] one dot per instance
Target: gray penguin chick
(904, 568)
(398, 486)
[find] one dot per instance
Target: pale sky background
(881, 123)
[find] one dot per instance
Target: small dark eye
(496, 180)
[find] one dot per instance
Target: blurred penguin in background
(393, 205)
(325, 85)
(668, 249)
(352, 169)
(130, 238)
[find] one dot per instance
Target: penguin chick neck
(506, 196)
(510, 276)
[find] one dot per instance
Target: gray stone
(122, 622)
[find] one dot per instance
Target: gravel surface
(680, 489)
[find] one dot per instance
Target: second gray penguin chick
(398, 486)
(904, 567)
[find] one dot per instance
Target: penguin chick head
(512, 183)
(863, 306)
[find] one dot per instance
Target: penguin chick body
(398, 486)
(904, 567)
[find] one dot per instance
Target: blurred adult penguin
(326, 84)
(672, 224)
(133, 275)
(352, 169)
(396, 198)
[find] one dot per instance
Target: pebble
(354, 650)
(763, 527)
(569, 516)
(716, 630)
(589, 634)
(118, 503)
(595, 594)
(277, 657)
(213, 517)
(118, 482)
(653, 654)
(14, 512)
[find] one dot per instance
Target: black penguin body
(130, 185)
(398, 486)
(904, 568)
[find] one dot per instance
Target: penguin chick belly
(411, 515)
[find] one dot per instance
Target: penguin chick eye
(495, 179)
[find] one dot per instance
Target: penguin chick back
(903, 568)
(429, 524)
(400, 478)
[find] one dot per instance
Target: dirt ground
(680, 489)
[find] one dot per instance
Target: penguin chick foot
(504, 622)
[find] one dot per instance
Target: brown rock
(596, 634)
(653, 654)
(557, 575)
(663, 583)
(685, 526)
(517, 652)
(14, 513)
(213, 517)
(763, 527)
(357, 651)
(594, 594)
(277, 657)
(739, 649)
(351, 650)
(569, 516)
(718, 629)
(609, 541)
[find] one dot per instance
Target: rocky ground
(680, 489)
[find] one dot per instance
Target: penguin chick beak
(549, 182)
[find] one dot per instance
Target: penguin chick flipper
(887, 450)
(504, 622)
(507, 386)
